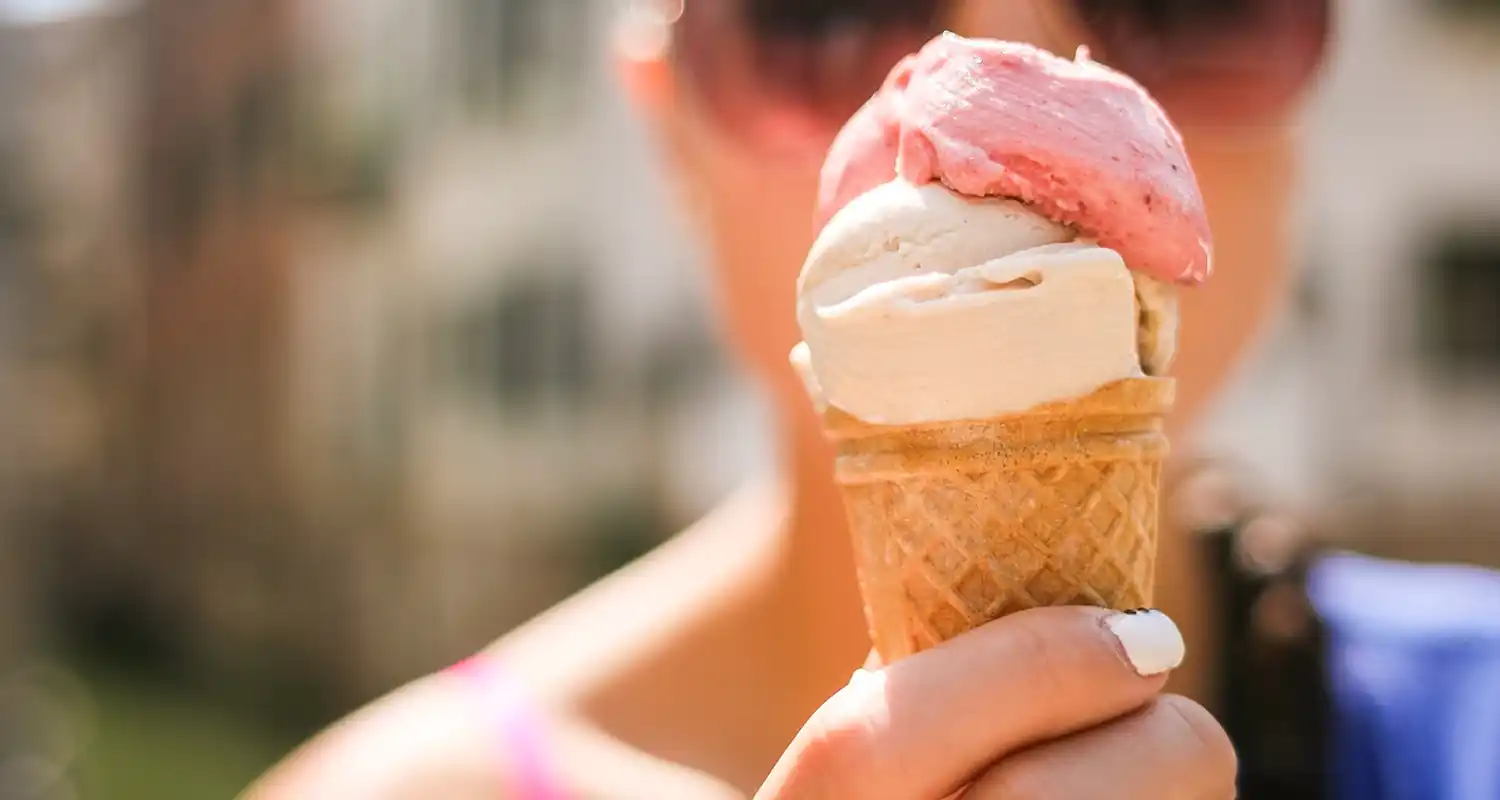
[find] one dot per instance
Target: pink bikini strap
(520, 731)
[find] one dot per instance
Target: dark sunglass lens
(1214, 59)
(818, 18)
(819, 60)
(787, 74)
(1166, 17)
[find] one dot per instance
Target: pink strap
(521, 735)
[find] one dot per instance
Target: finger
(873, 661)
(924, 726)
(1171, 749)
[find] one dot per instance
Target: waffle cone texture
(959, 523)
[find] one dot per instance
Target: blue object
(1414, 670)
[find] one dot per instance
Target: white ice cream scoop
(919, 305)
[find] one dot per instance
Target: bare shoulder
(676, 600)
(421, 740)
(650, 634)
(428, 740)
(685, 653)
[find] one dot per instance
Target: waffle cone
(959, 523)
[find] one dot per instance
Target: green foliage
(157, 741)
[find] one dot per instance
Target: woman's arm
(690, 654)
(668, 655)
(429, 739)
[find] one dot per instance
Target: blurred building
(67, 88)
(15, 225)
(364, 325)
(1379, 395)
(505, 313)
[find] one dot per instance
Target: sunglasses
(784, 75)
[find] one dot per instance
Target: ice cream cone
(959, 523)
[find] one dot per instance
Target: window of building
(1460, 312)
(19, 220)
(473, 35)
(17, 216)
(1469, 8)
(514, 54)
(530, 344)
(519, 49)
(180, 193)
(682, 358)
(258, 119)
(1310, 295)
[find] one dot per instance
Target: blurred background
(339, 336)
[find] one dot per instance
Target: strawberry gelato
(1079, 142)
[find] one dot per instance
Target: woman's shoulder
(692, 583)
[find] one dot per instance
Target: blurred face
(748, 94)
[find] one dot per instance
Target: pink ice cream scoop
(1079, 142)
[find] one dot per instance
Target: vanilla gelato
(922, 305)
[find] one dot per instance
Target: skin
(687, 673)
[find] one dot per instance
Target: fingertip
(1150, 640)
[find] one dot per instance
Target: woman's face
(755, 200)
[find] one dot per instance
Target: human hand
(1054, 702)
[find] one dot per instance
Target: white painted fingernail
(860, 676)
(1150, 639)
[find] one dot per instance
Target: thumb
(924, 726)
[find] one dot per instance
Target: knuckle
(840, 738)
(1215, 751)
(1042, 660)
(1017, 779)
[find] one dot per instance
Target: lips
(1221, 63)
